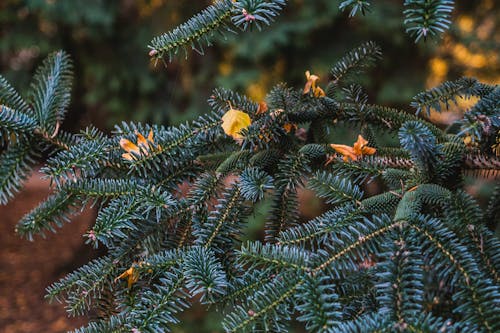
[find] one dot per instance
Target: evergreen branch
(16, 162)
(194, 33)
(10, 98)
(463, 216)
(425, 18)
(13, 122)
(482, 119)
(400, 287)
(113, 324)
(387, 118)
(419, 141)
(334, 189)
(254, 183)
(83, 285)
(241, 287)
(319, 229)
(265, 159)
(373, 322)
(444, 94)
(51, 91)
(62, 140)
(256, 12)
(156, 308)
(355, 61)
(221, 223)
(393, 178)
(113, 220)
(205, 188)
(102, 187)
(284, 205)
(204, 275)
(274, 256)
(492, 215)
(373, 264)
(173, 145)
(318, 304)
(369, 167)
(283, 213)
(356, 6)
(382, 203)
(55, 210)
(482, 162)
(475, 294)
(354, 238)
(223, 99)
(237, 160)
(79, 161)
(266, 309)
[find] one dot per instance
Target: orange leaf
(311, 85)
(288, 127)
(128, 156)
(131, 274)
(141, 140)
(318, 92)
(129, 146)
(347, 151)
(262, 108)
(361, 148)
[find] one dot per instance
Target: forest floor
(27, 268)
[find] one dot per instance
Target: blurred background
(115, 81)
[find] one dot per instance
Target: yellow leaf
(234, 121)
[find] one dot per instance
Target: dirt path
(27, 268)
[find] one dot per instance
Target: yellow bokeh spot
(466, 57)
(225, 68)
(256, 91)
(465, 23)
(439, 67)
(148, 8)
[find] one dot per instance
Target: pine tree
(418, 256)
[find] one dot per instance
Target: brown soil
(27, 268)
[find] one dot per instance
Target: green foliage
(174, 208)
(23, 124)
(318, 303)
(423, 18)
(362, 6)
(355, 61)
(51, 91)
(427, 17)
(444, 94)
(256, 12)
(201, 28)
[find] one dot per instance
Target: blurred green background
(115, 81)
